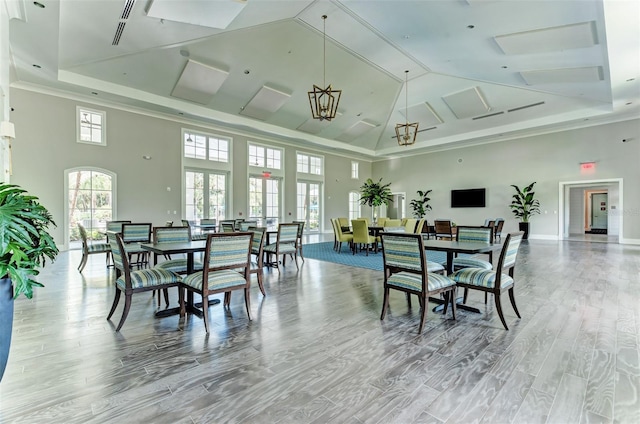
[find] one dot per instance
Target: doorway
(597, 215)
(395, 209)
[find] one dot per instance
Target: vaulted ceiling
(479, 70)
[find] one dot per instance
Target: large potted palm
(24, 246)
(421, 205)
(375, 194)
(523, 205)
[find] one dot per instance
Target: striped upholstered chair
(130, 282)
(226, 268)
(133, 234)
(285, 244)
(473, 234)
(490, 281)
(91, 248)
(405, 269)
(257, 265)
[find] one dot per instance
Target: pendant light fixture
(406, 133)
(324, 101)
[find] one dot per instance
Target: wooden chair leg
(166, 297)
(181, 301)
(499, 309)
(116, 299)
(205, 312)
(453, 294)
(83, 262)
(260, 285)
(247, 301)
(125, 311)
(423, 315)
(513, 301)
(447, 296)
(408, 295)
(385, 303)
(227, 299)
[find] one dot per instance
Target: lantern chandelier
(324, 101)
(406, 133)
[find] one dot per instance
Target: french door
(205, 195)
(308, 204)
(90, 203)
(264, 201)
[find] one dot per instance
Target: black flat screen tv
(470, 198)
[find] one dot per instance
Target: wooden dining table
(451, 247)
(190, 249)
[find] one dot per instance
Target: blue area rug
(324, 252)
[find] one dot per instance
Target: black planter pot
(524, 226)
(6, 321)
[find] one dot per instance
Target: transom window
(265, 157)
(202, 146)
(91, 126)
(308, 164)
(354, 170)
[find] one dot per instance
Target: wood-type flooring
(317, 352)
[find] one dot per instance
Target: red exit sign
(587, 166)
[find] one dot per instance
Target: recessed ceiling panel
(198, 83)
(562, 76)
(555, 39)
(266, 101)
(467, 103)
(422, 113)
(214, 14)
(356, 130)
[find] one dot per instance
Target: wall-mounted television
(470, 198)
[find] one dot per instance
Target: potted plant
(24, 246)
(523, 205)
(375, 194)
(421, 205)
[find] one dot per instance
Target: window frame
(103, 126)
(355, 170)
(208, 138)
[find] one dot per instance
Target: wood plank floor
(317, 352)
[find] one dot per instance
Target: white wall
(547, 159)
(46, 147)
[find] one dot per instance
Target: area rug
(324, 252)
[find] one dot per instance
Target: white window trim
(258, 170)
(206, 163)
(307, 175)
(102, 113)
(357, 164)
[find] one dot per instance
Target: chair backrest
(246, 225)
(360, 230)
(227, 227)
(510, 251)
(499, 224)
(287, 233)
(83, 236)
(208, 221)
(116, 226)
(227, 251)
(442, 227)
(337, 227)
(136, 233)
(257, 244)
(237, 222)
(185, 223)
(343, 222)
(120, 259)
(168, 224)
(474, 234)
(382, 221)
(403, 252)
(420, 227)
(301, 225)
(366, 219)
(171, 234)
(410, 225)
(393, 223)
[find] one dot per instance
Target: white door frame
(563, 200)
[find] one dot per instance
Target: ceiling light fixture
(406, 133)
(324, 101)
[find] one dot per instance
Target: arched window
(90, 201)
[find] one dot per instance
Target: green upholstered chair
(133, 234)
(405, 269)
(367, 220)
(473, 234)
(410, 225)
(257, 250)
(130, 282)
(341, 236)
(361, 236)
(420, 226)
(381, 221)
(91, 248)
(285, 244)
(494, 281)
(345, 225)
(226, 268)
(393, 223)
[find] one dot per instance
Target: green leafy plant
(421, 205)
(375, 194)
(24, 239)
(524, 203)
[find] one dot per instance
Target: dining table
(452, 247)
(190, 249)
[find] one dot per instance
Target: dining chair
(345, 225)
(208, 225)
(301, 225)
(285, 244)
(494, 281)
(410, 225)
(247, 225)
(367, 220)
(381, 221)
(443, 229)
(133, 234)
(236, 223)
(499, 223)
(226, 268)
(130, 282)
(405, 269)
(361, 237)
(342, 237)
(257, 250)
(393, 223)
(420, 226)
(91, 248)
(227, 227)
(474, 235)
